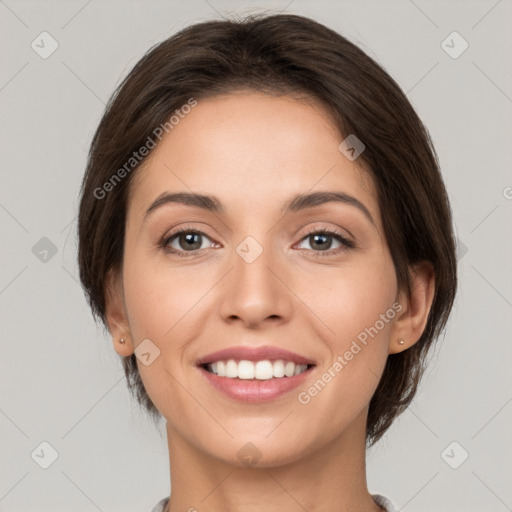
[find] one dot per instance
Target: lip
(255, 391)
(266, 352)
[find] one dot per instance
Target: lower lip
(253, 390)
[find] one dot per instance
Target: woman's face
(257, 273)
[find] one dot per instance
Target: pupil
(190, 240)
(321, 246)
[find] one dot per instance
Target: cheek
(362, 319)
(357, 306)
(353, 297)
(160, 300)
(158, 297)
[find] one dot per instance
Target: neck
(331, 478)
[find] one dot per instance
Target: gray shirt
(379, 499)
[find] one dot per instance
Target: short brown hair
(281, 54)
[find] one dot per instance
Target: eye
(321, 241)
(187, 240)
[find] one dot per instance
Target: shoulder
(383, 502)
(160, 506)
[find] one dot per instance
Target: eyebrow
(296, 203)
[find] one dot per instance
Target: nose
(255, 291)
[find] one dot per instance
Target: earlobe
(412, 321)
(115, 313)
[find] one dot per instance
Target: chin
(260, 452)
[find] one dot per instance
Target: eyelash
(347, 244)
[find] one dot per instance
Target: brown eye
(185, 240)
(322, 241)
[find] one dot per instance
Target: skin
(253, 152)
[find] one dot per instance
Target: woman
(265, 232)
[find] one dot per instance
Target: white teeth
(261, 370)
(289, 369)
(232, 369)
(278, 368)
(245, 370)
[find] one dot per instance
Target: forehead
(251, 150)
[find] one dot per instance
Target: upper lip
(254, 354)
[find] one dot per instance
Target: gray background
(61, 380)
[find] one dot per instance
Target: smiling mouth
(256, 370)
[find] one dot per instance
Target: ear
(411, 322)
(115, 312)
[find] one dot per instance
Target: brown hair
(280, 54)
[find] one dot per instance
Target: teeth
(263, 370)
(245, 370)
(260, 370)
(289, 369)
(278, 369)
(232, 369)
